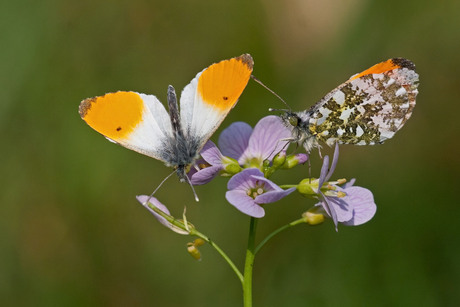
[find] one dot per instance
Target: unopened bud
(312, 217)
(193, 251)
(231, 166)
(294, 160)
(199, 242)
(279, 159)
(192, 248)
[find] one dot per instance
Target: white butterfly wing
(206, 101)
(136, 121)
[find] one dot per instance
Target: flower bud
(199, 242)
(192, 248)
(231, 166)
(279, 159)
(293, 160)
(193, 251)
(312, 216)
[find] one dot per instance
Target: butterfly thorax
(299, 124)
(180, 152)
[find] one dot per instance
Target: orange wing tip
(386, 66)
(246, 59)
(221, 84)
(85, 106)
(114, 115)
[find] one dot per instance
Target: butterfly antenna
(278, 110)
(193, 189)
(164, 180)
(271, 91)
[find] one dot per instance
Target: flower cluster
(250, 156)
(241, 147)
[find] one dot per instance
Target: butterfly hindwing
(367, 109)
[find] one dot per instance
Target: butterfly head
(289, 118)
(293, 119)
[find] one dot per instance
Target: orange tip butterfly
(141, 123)
(367, 109)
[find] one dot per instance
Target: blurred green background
(72, 233)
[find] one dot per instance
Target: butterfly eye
(293, 120)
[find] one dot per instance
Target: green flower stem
(193, 232)
(221, 252)
(249, 264)
(274, 233)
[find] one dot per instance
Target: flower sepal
(308, 187)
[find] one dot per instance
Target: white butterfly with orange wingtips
(141, 123)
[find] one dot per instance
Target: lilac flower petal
(272, 196)
(349, 183)
(271, 186)
(243, 180)
(363, 204)
(328, 208)
(211, 153)
(204, 175)
(265, 142)
(335, 158)
(324, 168)
(234, 139)
(143, 199)
(342, 208)
(241, 201)
(194, 168)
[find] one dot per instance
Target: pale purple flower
(249, 189)
(349, 205)
(143, 200)
(361, 203)
(250, 147)
(239, 141)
